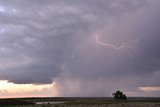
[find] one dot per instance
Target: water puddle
(50, 102)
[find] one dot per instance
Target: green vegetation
(8, 102)
(119, 95)
(84, 102)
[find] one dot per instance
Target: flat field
(80, 102)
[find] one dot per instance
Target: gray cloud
(45, 41)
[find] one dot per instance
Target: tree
(119, 95)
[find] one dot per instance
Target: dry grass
(95, 102)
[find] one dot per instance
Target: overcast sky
(86, 47)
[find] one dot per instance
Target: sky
(79, 48)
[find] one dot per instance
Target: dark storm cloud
(104, 68)
(46, 40)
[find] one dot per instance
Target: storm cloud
(45, 41)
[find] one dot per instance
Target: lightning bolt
(122, 46)
(128, 48)
(139, 38)
(144, 34)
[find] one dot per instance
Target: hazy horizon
(79, 48)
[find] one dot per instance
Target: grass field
(80, 102)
